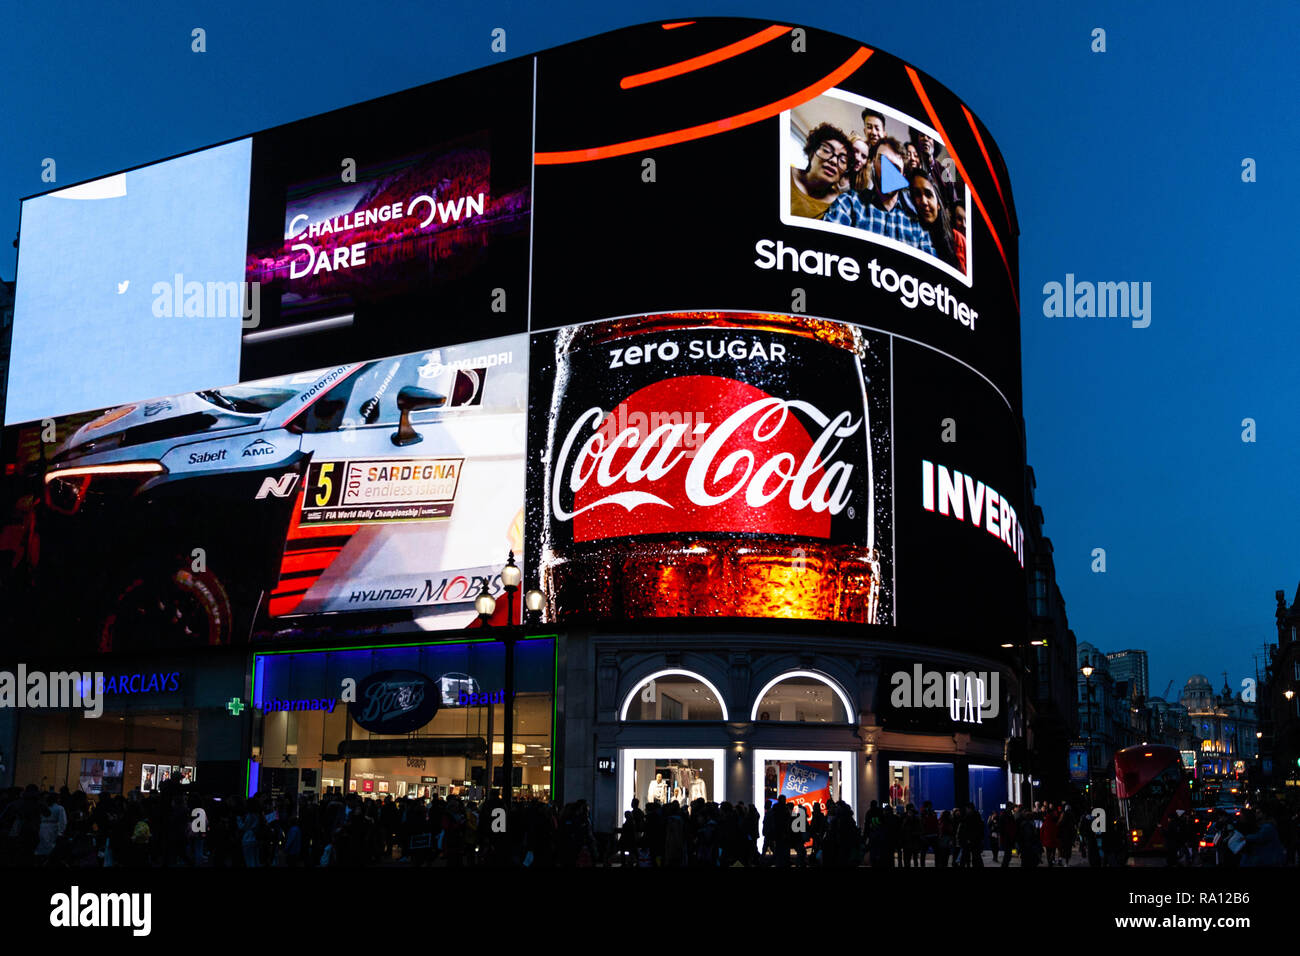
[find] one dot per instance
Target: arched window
(674, 695)
(802, 697)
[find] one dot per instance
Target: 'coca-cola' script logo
(743, 462)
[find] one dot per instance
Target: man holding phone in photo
(883, 212)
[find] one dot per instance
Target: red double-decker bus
(1151, 785)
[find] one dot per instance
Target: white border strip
(532, 206)
(628, 756)
(839, 692)
(303, 328)
(802, 222)
(627, 703)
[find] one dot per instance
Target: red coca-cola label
(735, 431)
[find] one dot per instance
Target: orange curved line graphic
(992, 172)
(934, 119)
(561, 157)
(704, 59)
(674, 26)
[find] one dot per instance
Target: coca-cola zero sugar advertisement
(712, 464)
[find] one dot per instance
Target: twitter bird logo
(121, 286)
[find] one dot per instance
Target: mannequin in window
(698, 790)
(658, 790)
(678, 789)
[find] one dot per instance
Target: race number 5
(324, 484)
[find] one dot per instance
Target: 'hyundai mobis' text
(384, 486)
(712, 464)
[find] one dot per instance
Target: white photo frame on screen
(789, 158)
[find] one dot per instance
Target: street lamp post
(1087, 682)
(486, 606)
(510, 577)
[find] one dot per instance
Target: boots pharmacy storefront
(402, 721)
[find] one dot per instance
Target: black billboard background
(936, 719)
(954, 579)
(492, 105)
(945, 581)
(687, 239)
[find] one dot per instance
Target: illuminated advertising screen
(839, 182)
(735, 464)
(394, 225)
(130, 285)
(768, 302)
(391, 487)
(706, 464)
(858, 168)
(376, 233)
(795, 393)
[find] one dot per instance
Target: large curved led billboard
(713, 319)
(778, 375)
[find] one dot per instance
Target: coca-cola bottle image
(710, 464)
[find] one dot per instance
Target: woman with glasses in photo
(830, 157)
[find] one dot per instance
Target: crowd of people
(166, 828)
(872, 181)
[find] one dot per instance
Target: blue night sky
(1125, 165)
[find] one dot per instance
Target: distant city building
(1102, 723)
(1168, 723)
(1131, 666)
(1280, 714)
(1222, 728)
(1049, 659)
(1114, 712)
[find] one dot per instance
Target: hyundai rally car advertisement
(389, 488)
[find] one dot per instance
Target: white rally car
(392, 486)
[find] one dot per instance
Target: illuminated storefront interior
(308, 739)
(677, 709)
(115, 754)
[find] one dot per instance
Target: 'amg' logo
(280, 487)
